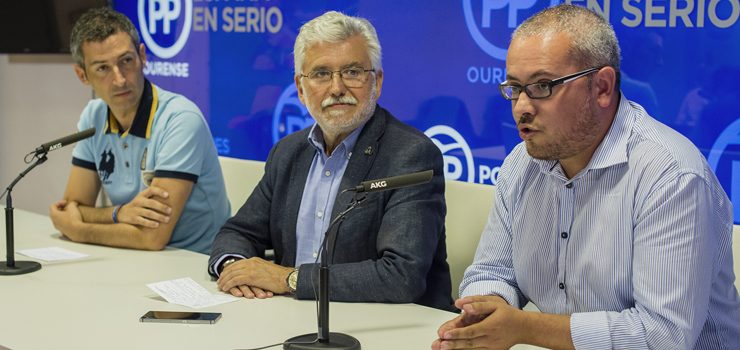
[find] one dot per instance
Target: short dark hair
(592, 38)
(97, 25)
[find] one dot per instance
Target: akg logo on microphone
(378, 184)
(719, 155)
(290, 114)
(479, 18)
(458, 159)
(56, 146)
(158, 19)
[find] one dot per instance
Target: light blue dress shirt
(320, 192)
(636, 247)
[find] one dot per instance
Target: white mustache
(346, 99)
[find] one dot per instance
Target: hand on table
(486, 322)
(254, 278)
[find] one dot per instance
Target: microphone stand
(324, 339)
(12, 267)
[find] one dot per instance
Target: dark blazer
(390, 249)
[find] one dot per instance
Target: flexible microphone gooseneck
(12, 267)
(323, 339)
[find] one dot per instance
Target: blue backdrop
(443, 61)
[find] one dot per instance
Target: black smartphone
(181, 317)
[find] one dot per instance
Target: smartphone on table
(181, 317)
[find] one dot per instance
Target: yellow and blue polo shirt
(169, 138)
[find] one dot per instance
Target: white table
(96, 303)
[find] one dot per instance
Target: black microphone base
(336, 341)
(20, 267)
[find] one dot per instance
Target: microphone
(10, 266)
(324, 339)
(394, 182)
(61, 142)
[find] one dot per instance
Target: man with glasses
(611, 223)
(152, 152)
(392, 247)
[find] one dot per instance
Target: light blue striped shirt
(636, 247)
(320, 192)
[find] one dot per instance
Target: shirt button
(569, 185)
(320, 214)
(125, 145)
(315, 254)
(327, 173)
(564, 234)
(127, 164)
(561, 285)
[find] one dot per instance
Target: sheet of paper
(52, 254)
(185, 291)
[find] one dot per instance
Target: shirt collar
(316, 139)
(613, 148)
(142, 125)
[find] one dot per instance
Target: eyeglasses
(353, 77)
(540, 89)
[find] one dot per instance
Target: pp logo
(478, 26)
(159, 17)
(290, 115)
(730, 137)
(458, 159)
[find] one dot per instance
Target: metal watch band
(227, 262)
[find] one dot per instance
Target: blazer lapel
(298, 174)
(363, 157)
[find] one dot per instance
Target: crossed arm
(146, 222)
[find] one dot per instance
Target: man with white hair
(392, 248)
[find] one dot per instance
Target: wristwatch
(292, 281)
(227, 262)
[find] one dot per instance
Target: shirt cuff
(501, 289)
(590, 330)
(84, 164)
(220, 260)
(176, 175)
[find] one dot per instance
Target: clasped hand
(486, 322)
(254, 278)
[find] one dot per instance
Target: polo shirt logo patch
(106, 166)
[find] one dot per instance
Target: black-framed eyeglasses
(540, 89)
(351, 76)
